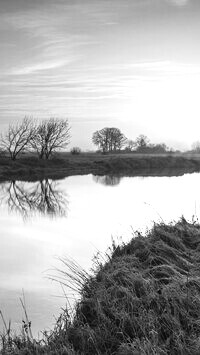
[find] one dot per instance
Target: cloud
(179, 2)
(38, 67)
(44, 39)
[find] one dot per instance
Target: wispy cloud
(38, 67)
(94, 58)
(179, 2)
(49, 42)
(76, 91)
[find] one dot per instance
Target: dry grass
(145, 300)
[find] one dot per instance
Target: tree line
(48, 136)
(112, 140)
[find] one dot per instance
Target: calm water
(75, 217)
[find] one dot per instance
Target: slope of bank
(30, 168)
(144, 300)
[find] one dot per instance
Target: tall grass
(145, 299)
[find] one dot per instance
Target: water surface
(77, 217)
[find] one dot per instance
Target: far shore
(29, 168)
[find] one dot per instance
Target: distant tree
(196, 147)
(50, 135)
(130, 145)
(158, 148)
(17, 139)
(75, 151)
(100, 138)
(109, 139)
(142, 142)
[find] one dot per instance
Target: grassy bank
(29, 167)
(144, 300)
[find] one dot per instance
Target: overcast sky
(132, 64)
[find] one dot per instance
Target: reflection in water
(97, 212)
(28, 198)
(109, 180)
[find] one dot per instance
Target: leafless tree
(100, 138)
(109, 139)
(142, 141)
(196, 147)
(50, 135)
(131, 145)
(17, 139)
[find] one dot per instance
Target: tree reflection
(109, 180)
(25, 198)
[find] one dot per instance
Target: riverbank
(30, 168)
(144, 300)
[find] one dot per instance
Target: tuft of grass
(144, 299)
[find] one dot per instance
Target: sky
(131, 64)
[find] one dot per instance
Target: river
(75, 218)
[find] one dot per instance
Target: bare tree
(17, 139)
(130, 146)
(109, 139)
(142, 141)
(100, 138)
(117, 140)
(196, 147)
(50, 136)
